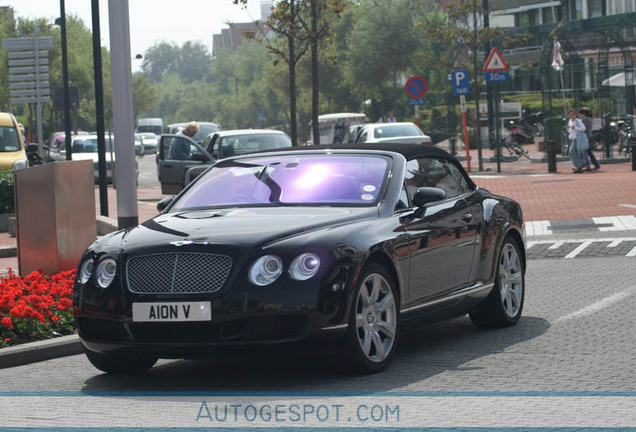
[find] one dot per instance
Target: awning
(617, 80)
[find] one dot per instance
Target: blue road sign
(416, 101)
(497, 76)
(461, 83)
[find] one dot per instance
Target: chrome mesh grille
(177, 273)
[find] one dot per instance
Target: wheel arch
(385, 261)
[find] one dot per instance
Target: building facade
(598, 47)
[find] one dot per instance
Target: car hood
(419, 139)
(248, 226)
(90, 156)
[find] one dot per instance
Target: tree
(316, 18)
(382, 45)
(284, 21)
(144, 94)
(161, 59)
(195, 62)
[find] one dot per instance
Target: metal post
(497, 126)
(123, 119)
(38, 103)
(67, 99)
(99, 111)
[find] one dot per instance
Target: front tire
(119, 362)
(374, 321)
(504, 304)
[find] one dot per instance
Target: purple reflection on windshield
(291, 179)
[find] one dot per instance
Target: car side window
(433, 172)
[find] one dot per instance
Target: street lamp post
(67, 100)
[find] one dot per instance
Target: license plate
(172, 311)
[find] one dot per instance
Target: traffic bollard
(551, 151)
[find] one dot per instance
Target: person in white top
(578, 141)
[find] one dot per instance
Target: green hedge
(7, 203)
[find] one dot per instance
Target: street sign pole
(462, 101)
(417, 115)
(497, 125)
(461, 87)
(38, 103)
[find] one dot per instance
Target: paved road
(568, 362)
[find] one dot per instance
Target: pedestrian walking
(578, 141)
(585, 114)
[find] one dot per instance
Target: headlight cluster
(268, 268)
(104, 273)
(19, 164)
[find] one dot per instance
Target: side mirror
(161, 205)
(425, 195)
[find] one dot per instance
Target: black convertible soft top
(409, 151)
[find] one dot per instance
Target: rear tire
(119, 362)
(504, 304)
(374, 321)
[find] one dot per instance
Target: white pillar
(123, 122)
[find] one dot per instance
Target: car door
(176, 154)
(444, 234)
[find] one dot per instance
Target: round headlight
(86, 270)
(106, 271)
(304, 266)
(266, 270)
(19, 164)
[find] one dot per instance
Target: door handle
(467, 217)
(167, 165)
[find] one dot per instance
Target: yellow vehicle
(12, 154)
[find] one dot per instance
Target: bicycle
(515, 150)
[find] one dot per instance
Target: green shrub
(7, 197)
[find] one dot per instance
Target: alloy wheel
(510, 280)
(376, 318)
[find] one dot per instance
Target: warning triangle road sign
(495, 62)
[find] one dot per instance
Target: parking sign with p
(461, 83)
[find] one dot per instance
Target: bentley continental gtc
(291, 247)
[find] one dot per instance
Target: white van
(154, 125)
(337, 127)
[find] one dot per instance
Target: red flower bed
(35, 307)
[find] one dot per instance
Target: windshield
(9, 139)
(89, 145)
(293, 179)
(397, 130)
(238, 144)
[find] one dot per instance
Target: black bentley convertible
(343, 243)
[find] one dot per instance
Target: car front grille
(169, 273)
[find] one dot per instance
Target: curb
(39, 351)
(8, 251)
